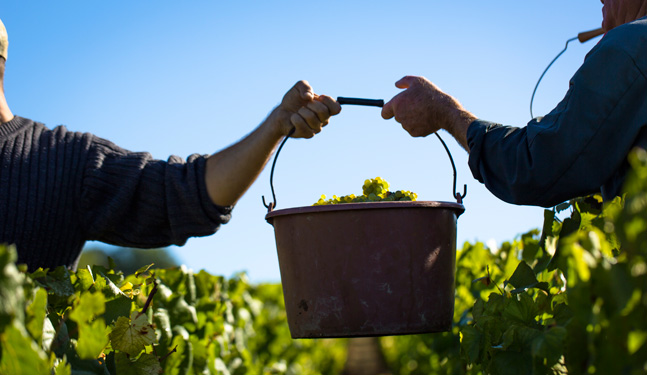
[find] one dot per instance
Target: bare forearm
(230, 172)
(457, 127)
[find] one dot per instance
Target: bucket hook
(458, 196)
(272, 204)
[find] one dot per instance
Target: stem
(149, 300)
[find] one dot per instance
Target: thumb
(387, 110)
(406, 82)
(305, 90)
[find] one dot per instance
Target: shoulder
(629, 39)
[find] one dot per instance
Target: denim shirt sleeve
(581, 143)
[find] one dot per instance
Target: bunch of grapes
(374, 190)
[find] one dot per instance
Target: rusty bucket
(367, 269)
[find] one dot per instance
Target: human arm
(230, 172)
(582, 144)
(423, 109)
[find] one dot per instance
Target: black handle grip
(358, 101)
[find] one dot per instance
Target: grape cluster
(374, 190)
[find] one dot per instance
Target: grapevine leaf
(36, 313)
(523, 278)
(547, 229)
(163, 323)
(110, 289)
(123, 365)
(146, 364)
(522, 310)
(49, 333)
(58, 282)
(511, 363)
(93, 338)
(62, 368)
(20, 354)
(11, 292)
(549, 345)
(182, 312)
(132, 335)
(143, 269)
(117, 307)
(85, 279)
(636, 340)
(471, 340)
(89, 305)
(93, 334)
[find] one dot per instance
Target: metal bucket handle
(367, 102)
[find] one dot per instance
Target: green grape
(374, 190)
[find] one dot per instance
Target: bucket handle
(368, 102)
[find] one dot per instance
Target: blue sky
(178, 78)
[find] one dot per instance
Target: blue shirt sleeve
(581, 144)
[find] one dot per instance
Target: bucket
(367, 269)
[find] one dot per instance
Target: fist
(304, 111)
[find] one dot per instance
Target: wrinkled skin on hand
(422, 108)
(305, 111)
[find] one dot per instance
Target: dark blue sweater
(59, 189)
(581, 146)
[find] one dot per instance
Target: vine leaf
(523, 278)
(132, 335)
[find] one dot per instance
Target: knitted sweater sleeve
(130, 199)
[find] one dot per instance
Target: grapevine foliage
(99, 321)
(569, 298)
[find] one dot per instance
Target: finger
(319, 109)
(333, 107)
(305, 90)
(310, 118)
(407, 81)
(387, 110)
(302, 128)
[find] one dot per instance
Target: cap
(4, 41)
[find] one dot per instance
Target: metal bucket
(367, 269)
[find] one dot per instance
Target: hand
(422, 108)
(304, 111)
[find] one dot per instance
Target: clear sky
(171, 77)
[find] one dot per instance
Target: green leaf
(512, 363)
(143, 269)
(146, 364)
(163, 323)
(88, 306)
(93, 338)
(635, 340)
(550, 345)
(12, 293)
(85, 279)
(37, 314)
(522, 310)
(523, 277)
(21, 354)
(58, 282)
(471, 340)
(132, 335)
(124, 365)
(120, 306)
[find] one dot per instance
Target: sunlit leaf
(132, 335)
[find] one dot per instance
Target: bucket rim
(459, 208)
